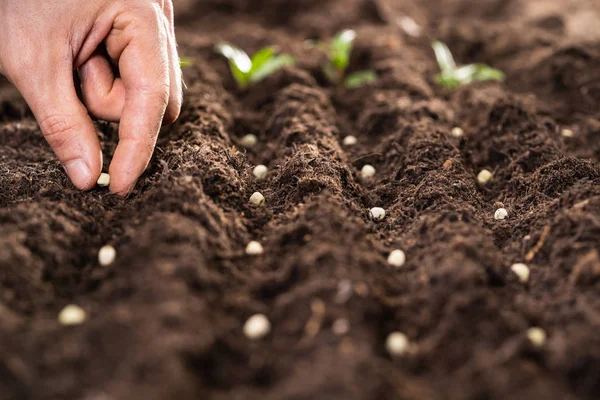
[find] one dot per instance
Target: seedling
(338, 60)
(250, 70)
(452, 76)
(185, 62)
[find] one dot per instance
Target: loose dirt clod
(484, 177)
(103, 180)
(260, 172)
(249, 141)
(257, 199)
(537, 336)
(107, 255)
(397, 258)
(72, 315)
(257, 327)
(396, 343)
(367, 172)
(522, 271)
(350, 140)
(500, 214)
(254, 248)
(377, 213)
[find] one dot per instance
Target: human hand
(43, 42)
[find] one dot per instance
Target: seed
(397, 258)
(257, 199)
(344, 291)
(484, 177)
(396, 343)
(257, 327)
(537, 336)
(107, 255)
(340, 326)
(377, 213)
(254, 248)
(367, 172)
(249, 140)
(522, 271)
(260, 172)
(500, 214)
(350, 140)
(567, 132)
(103, 180)
(72, 315)
(457, 132)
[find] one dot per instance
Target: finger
(103, 93)
(139, 42)
(175, 75)
(63, 120)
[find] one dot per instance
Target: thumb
(64, 122)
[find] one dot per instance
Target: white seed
(260, 172)
(254, 248)
(257, 199)
(340, 326)
(397, 258)
(249, 140)
(367, 172)
(344, 291)
(500, 214)
(257, 327)
(107, 255)
(350, 140)
(521, 270)
(484, 177)
(103, 180)
(377, 213)
(72, 315)
(537, 336)
(396, 343)
(457, 132)
(567, 132)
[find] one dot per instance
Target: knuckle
(57, 129)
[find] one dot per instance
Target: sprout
(367, 172)
(249, 141)
(257, 327)
(457, 132)
(397, 258)
(260, 172)
(500, 214)
(107, 255)
(522, 271)
(103, 180)
(377, 213)
(350, 140)
(451, 76)
(248, 71)
(537, 336)
(72, 315)
(254, 248)
(338, 60)
(396, 343)
(185, 62)
(257, 199)
(484, 177)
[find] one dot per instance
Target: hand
(43, 42)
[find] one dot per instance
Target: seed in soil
(344, 291)
(484, 177)
(72, 315)
(567, 133)
(396, 343)
(377, 213)
(107, 255)
(249, 141)
(500, 214)
(457, 132)
(257, 327)
(522, 271)
(260, 172)
(340, 326)
(350, 140)
(103, 180)
(397, 258)
(254, 248)
(537, 336)
(367, 172)
(257, 199)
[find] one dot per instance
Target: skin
(42, 43)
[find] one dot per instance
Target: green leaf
(444, 57)
(261, 57)
(239, 63)
(358, 79)
(486, 73)
(447, 81)
(185, 62)
(341, 48)
(271, 66)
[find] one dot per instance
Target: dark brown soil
(165, 320)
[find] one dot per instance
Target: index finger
(138, 41)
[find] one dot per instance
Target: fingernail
(79, 173)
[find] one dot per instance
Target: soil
(165, 320)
